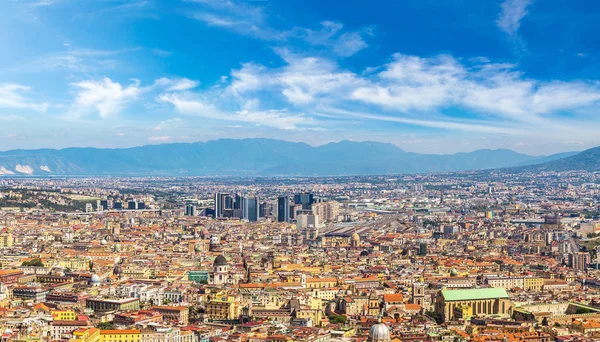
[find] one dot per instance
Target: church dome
(220, 261)
(379, 333)
(215, 240)
(355, 237)
(103, 242)
(364, 253)
(117, 270)
(117, 247)
(95, 279)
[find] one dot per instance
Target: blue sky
(432, 76)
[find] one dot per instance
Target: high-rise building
(221, 202)
(283, 209)
(264, 209)
(190, 210)
(327, 211)
(132, 205)
(306, 199)
(251, 208)
(423, 249)
(106, 204)
(239, 202)
(304, 221)
(579, 261)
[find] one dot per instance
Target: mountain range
(268, 157)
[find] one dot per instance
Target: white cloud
(237, 16)
(161, 138)
(196, 106)
(574, 143)
(409, 89)
(161, 52)
(349, 43)
(248, 20)
(11, 97)
(301, 81)
(11, 118)
(105, 96)
(480, 127)
(42, 3)
(176, 84)
(411, 83)
(330, 35)
(166, 124)
(512, 13)
(77, 60)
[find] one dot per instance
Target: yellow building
(534, 283)
(324, 294)
(120, 335)
(87, 335)
(223, 307)
(63, 315)
(136, 273)
(6, 239)
(464, 312)
(320, 283)
(316, 315)
(79, 264)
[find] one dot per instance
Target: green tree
(337, 319)
(33, 262)
(105, 326)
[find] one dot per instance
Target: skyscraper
(283, 209)
(222, 201)
(190, 210)
(306, 199)
(251, 208)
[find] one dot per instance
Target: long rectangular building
(482, 302)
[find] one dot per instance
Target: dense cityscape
(473, 256)
(299, 171)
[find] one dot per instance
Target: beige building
(174, 313)
(326, 211)
(484, 301)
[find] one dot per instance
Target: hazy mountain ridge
(247, 157)
(588, 160)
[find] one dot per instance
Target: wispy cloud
(167, 124)
(412, 90)
(251, 20)
(513, 11)
(194, 105)
(176, 84)
(11, 96)
(161, 138)
(108, 98)
(76, 60)
(161, 52)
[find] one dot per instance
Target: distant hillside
(545, 159)
(588, 160)
(251, 157)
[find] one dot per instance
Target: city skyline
(427, 77)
